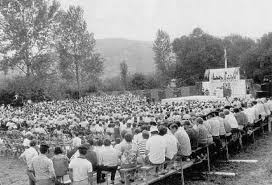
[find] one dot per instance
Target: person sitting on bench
(108, 161)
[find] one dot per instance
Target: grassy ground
(247, 173)
(12, 172)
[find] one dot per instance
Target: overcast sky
(140, 19)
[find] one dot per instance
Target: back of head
(178, 123)
(107, 142)
(226, 112)
(128, 137)
(137, 130)
(57, 151)
(222, 115)
(123, 133)
(32, 143)
(82, 150)
(91, 142)
(236, 110)
(199, 120)
(162, 130)
(44, 149)
(117, 140)
(145, 134)
(99, 142)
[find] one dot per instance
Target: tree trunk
(77, 79)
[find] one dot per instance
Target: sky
(140, 19)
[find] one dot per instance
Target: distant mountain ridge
(137, 54)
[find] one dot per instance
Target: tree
(78, 61)
(164, 57)
(236, 46)
(196, 53)
(257, 61)
(27, 35)
(137, 82)
(124, 73)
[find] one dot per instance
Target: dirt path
(12, 172)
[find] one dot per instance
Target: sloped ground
(259, 173)
(12, 172)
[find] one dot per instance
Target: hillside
(137, 54)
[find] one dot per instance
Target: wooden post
(227, 149)
(269, 123)
(208, 158)
(182, 175)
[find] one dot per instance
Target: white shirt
(156, 145)
(215, 126)
(171, 145)
(250, 112)
(81, 167)
(76, 142)
(28, 155)
(222, 130)
(26, 142)
(109, 156)
(232, 121)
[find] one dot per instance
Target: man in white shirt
(250, 112)
(108, 161)
(231, 119)
(27, 156)
(155, 147)
(171, 143)
(80, 169)
(76, 141)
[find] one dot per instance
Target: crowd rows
(106, 133)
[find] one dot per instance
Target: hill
(137, 54)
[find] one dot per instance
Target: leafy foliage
(163, 54)
(195, 53)
(28, 35)
(78, 61)
(124, 73)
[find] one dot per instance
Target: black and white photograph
(135, 92)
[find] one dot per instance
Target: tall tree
(138, 82)
(195, 53)
(164, 57)
(124, 73)
(78, 61)
(257, 61)
(236, 46)
(27, 34)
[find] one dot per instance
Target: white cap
(154, 129)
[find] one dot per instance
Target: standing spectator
(60, 163)
(43, 167)
(80, 169)
(27, 156)
(91, 155)
(76, 141)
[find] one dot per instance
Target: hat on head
(83, 147)
(154, 129)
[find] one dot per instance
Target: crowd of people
(70, 139)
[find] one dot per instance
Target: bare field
(12, 172)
